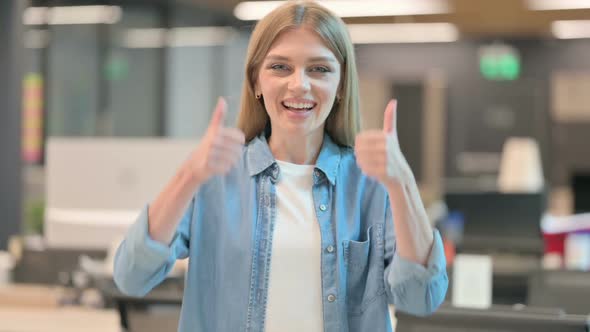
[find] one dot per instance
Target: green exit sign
(499, 62)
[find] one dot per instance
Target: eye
(320, 69)
(278, 66)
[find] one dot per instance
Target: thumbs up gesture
(378, 153)
(220, 148)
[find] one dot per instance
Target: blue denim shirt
(227, 233)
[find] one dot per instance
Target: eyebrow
(314, 59)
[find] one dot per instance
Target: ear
(257, 89)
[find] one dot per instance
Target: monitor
(494, 221)
(96, 187)
(581, 189)
(495, 319)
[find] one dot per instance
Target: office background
(154, 69)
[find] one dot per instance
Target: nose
(299, 82)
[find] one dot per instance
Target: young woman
(295, 220)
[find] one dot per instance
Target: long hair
(343, 122)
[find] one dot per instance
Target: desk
(170, 291)
(495, 319)
(61, 319)
(168, 294)
(510, 277)
(35, 308)
(511, 274)
(29, 296)
(565, 289)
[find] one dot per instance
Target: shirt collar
(329, 159)
(260, 157)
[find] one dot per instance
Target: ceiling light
(199, 36)
(557, 4)
(255, 10)
(572, 29)
(403, 33)
(177, 37)
(35, 16)
(72, 15)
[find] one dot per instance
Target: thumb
(390, 116)
(218, 115)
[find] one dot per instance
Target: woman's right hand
(220, 148)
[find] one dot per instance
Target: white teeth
(298, 105)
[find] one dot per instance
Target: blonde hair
(343, 122)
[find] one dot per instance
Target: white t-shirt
(295, 285)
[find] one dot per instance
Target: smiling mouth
(299, 107)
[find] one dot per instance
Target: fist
(378, 153)
(219, 149)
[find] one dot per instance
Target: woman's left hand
(378, 152)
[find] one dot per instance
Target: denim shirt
(227, 233)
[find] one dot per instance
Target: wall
(481, 113)
(197, 76)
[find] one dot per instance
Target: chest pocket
(364, 267)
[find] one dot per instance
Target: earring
(258, 96)
(338, 99)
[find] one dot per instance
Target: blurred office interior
(101, 100)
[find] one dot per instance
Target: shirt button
(331, 298)
(323, 207)
(330, 249)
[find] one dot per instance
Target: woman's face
(298, 80)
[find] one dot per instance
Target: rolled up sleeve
(141, 262)
(414, 288)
